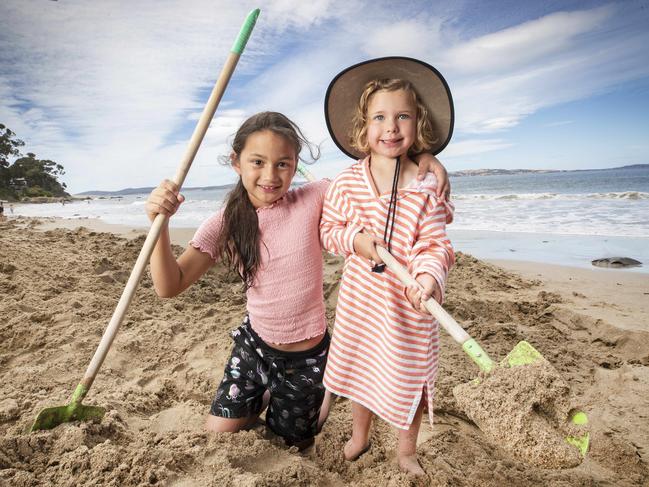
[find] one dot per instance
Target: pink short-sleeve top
(285, 303)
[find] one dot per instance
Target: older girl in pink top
(268, 233)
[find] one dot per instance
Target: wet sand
(59, 288)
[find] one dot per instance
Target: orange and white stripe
(384, 353)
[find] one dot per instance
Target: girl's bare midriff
(297, 346)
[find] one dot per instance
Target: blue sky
(112, 89)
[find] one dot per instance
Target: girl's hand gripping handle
(470, 346)
(164, 200)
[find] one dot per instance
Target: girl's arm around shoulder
(428, 162)
(313, 191)
(430, 185)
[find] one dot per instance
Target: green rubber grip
(305, 172)
(478, 355)
(79, 393)
(244, 33)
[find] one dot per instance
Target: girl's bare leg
(361, 424)
(217, 424)
(325, 408)
(407, 448)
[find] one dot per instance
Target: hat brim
(346, 88)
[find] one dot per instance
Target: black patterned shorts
(294, 380)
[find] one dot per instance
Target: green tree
(41, 175)
(9, 145)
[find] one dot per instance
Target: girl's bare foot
(410, 464)
(352, 451)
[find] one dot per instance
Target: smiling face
(266, 165)
(391, 123)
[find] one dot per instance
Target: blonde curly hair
(425, 137)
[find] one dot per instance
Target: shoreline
(566, 250)
(179, 236)
(468, 241)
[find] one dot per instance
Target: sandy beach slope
(59, 287)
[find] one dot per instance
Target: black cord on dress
(392, 210)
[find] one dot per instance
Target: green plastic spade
(75, 411)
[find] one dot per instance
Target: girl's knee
(217, 424)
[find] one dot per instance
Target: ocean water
(558, 215)
(598, 202)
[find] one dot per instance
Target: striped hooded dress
(384, 353)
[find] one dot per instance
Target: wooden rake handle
(156, 226)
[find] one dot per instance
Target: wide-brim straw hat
(346, 88)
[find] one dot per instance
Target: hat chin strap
(392, 210)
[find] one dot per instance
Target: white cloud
(474, 147)
(224, 124)
(115, 80)
(416, 38)
(298, 14)
(500, 98)
(526, 43)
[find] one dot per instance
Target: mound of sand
(59, 288)
(525, 410)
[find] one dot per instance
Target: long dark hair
(238, 242)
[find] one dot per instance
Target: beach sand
(59, 288)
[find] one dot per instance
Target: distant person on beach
(2, 210)
(384, 349)
(268, 234)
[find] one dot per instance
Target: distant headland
(462, 173)
(145, 190)
(511, 172)
(499, 172)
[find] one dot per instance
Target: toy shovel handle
(156, 226)
(469, 345)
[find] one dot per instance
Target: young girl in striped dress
(384, 350)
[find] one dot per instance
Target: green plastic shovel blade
(522, 354)
(582, 442)
(52, 417)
